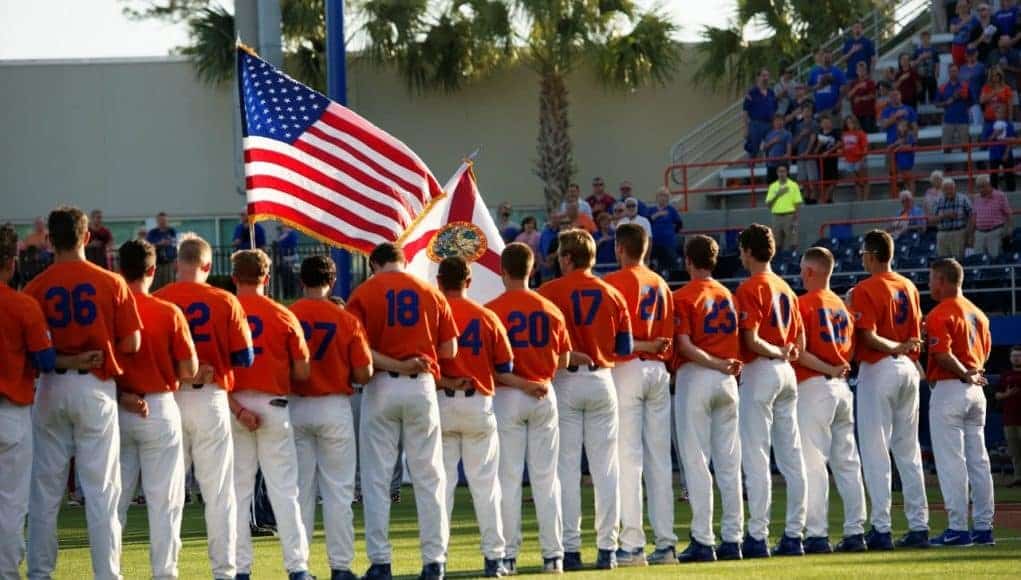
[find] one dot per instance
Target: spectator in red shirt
(856, 147)
(863, 99)
(907, 81)
(100, 240)
(600, 200)
(1009, 396)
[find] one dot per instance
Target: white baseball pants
(398, 473)
(270, 447)
(324, 437)
(769, 416)
(826, 420)
(75, 416)
(469, 435)
(15, 477)
(151, 447)
(587, 405)
(957, 421)
(887, 397)
(706, 402)
(393, 407)
(209, 447)
(529, 428)
(643, 445)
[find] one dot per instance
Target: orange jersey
(165, 340)
(218, 327)
(403, 317)
(278, 340)
(765, 302)
(958, 327)
(829, 330)
(704, 310)
(537, 332)
(649, 305)
(482, 347)
(889, 304)
(596, 315)
(25, 345)
(87, 308)
(337, 344)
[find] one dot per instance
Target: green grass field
(1004, 560)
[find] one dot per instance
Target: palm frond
(648, 54)
(212, 36)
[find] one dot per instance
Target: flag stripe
(300, 206)
(314, 226)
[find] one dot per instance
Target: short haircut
(633, 239)
(517, 260)
(1015, 348)
(579, 246)
(67, 225)
(820, 257)
(879, 244)
(702, 251)
(8, 244)
(453, 273)
(386, 253)
(318, 271)
(949, 270)
(136, 257)
(194, 250)
(250, 266)
(758, 240)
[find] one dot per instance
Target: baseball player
(223, 342)
(887, 320)
(263, 436)
(526, 410)
(87, 308)
(770, 323)
(406, 319)
(150, 422)
(321, 415)
(826, 408)
(25, 350)
(707, 352)
(959, 342)
(466, 407)
(643, 402)
(600, 329)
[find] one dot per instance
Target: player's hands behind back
(975, 377)
(88, 360)
(908, 346)
(536, 389)
(731, 366)
(133, 403)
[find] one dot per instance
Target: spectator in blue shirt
(164, 238)
(961, 27)
(242, 239)
(1005, 19)
(893, 113)
(285, 261)
(777, 147)
(955, 97)
(857, 49)
(760, 105)
(904, 153)
(925, 60)
(666, 222)
(606, 239)
(1001, 155)
(1008, 59)
(973, 72)
(827, 81)
(508, 230)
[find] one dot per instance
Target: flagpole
(336, 85)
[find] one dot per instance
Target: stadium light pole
(336, 89)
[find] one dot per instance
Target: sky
(62, 29)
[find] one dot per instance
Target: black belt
(575, 368)
(395, 375)
(467, 393)
(64, 371)
(948, 230)
(999, 227)
(197, 385)
(278, 402)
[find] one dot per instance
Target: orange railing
(675, 177)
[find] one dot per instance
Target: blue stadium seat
(976, 260)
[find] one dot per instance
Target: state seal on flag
(463, 239)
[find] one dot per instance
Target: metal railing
(866, 221)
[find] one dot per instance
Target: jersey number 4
(72, 305)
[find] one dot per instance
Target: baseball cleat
(510, 565)
(242, 576)
(953, 538)
(820, 545)
(752, 548)
(572, 561)
(788, 546)
(494, 569)
(432, 571)
(666, 555)
(919, 539)
(631, 558)
(983, 538)
(378, 572)
(729, 551)
(876, 540)
(395, 497)
(697, 552)
(855, 543)
(606, 560)
(552, 566)
(300, 575)
(342, 575)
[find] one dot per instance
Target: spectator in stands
(164, 238)
(1005, 20)
(141, 234)
(600, 200)
(953, 213)
(666, 222)
(1001, 155)
(996, 93)
(100, 242)
(776, 147)
(1008, 59)
(632, 216)
(1009, 395)
(285, 261)
(242, 239)
(606, 238)
(983, 32)
(801, 98)
(508, 229)
(759, 107)
(578, 218)
(529, 234)
(862, 95)
(827, 145)
(558, 223)
(38, 240)
(925, 61)
(783, 199)
(907, 83)
(827, 81)
(911, 218)
(904, 154)
(893, 113)
(785, 90)
(973, 73)
(855, 148)
(618, 213)
(991, 218)
(625, 193)
(574, 194)
(961, 27)
(932, 197)
(805, 129)
(857, 48)
(955, 98)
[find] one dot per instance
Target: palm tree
(450, 46)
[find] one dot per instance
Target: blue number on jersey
(782, 319)
(198, 316)
(725, 326)
(586, 318)
(401, 308)
(330, 330)
(472, 336)
(73, 305)
(255, 323)
(901, 315)
(651, 304)
(537, 325)
(833, 325)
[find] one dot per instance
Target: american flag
(318, 166)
